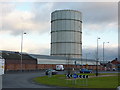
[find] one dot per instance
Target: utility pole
(22, 48)
(104, 51)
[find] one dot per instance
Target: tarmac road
(23, 80)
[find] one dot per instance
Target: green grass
(93, 74)
(96, 82)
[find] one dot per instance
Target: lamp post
(97, 59)
(22, 47)
(104, 50)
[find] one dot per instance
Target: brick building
(13, 61)
(115, 61)
(38, 62)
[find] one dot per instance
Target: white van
(59, 67)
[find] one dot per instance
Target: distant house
(115, 61)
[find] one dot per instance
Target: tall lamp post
(97, 59)
(104, 50)
(22, 47)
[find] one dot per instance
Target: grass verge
(94, 82)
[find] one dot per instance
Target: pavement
(23, 80)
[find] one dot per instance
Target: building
(115, 61)
(45, 62)
(40, 62)
(13, 61)
(66, 33)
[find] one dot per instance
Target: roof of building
(45, 59)
(47, 56)
(11, 55)
(115, 61)
(56, 57)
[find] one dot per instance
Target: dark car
(51, 71)
(85, 71)
(114, 69)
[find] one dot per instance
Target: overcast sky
(99, 20)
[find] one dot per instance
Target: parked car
(114, 69)
(84, 70)
(51, 71)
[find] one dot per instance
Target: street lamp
(22, 47)
(103, 50)
(97, 59)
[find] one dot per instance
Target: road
(23, 80)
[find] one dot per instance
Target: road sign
(86, 76)
(82, 82)
(69, 75)
(80, 76)
(75, 76)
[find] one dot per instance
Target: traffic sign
(80, 76)
(74, 75)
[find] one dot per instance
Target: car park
(51, 71)
(84, 70)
